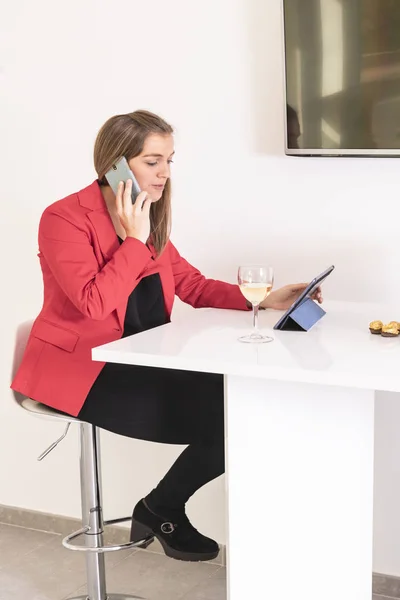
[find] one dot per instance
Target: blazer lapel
(92, 198)
(105, 232)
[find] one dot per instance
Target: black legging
(167, 406)
(197, 465)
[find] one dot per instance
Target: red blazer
(87, 278)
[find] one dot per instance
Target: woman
(110, 270)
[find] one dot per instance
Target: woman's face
(152, 166)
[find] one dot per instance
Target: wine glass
(255, 283)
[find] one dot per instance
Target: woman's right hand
(135, 218)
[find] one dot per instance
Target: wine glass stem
(255, 318)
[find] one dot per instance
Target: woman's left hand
(283, 298)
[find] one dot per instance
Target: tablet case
(303, 317)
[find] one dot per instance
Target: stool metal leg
(91, 510)
(92, 515)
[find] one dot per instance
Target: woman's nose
(165, 171)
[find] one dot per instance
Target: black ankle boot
(176, 534)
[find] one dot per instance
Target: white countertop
(338, 350)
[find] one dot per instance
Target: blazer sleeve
(194, 289)
(67, 250)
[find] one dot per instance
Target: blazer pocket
(55, 335)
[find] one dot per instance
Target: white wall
(214, 69)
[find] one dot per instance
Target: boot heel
(141, 532)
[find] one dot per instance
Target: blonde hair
(125, 135)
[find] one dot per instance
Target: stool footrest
(100, 549)
(115, 521)
(112, 597)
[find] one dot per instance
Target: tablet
(307, 293)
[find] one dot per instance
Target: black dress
(149, 403)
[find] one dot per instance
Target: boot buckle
(167, 527)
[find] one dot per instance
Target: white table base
(300, 490)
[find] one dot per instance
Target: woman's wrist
(267, 303)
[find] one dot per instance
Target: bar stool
(91, 496)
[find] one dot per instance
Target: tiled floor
(35, 566)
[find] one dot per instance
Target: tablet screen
(307, 292)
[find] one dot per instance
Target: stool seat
(42, 410)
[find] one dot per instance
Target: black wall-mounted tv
(342, 73)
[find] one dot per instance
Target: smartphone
(120, 171)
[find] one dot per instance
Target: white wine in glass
(255, 283)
